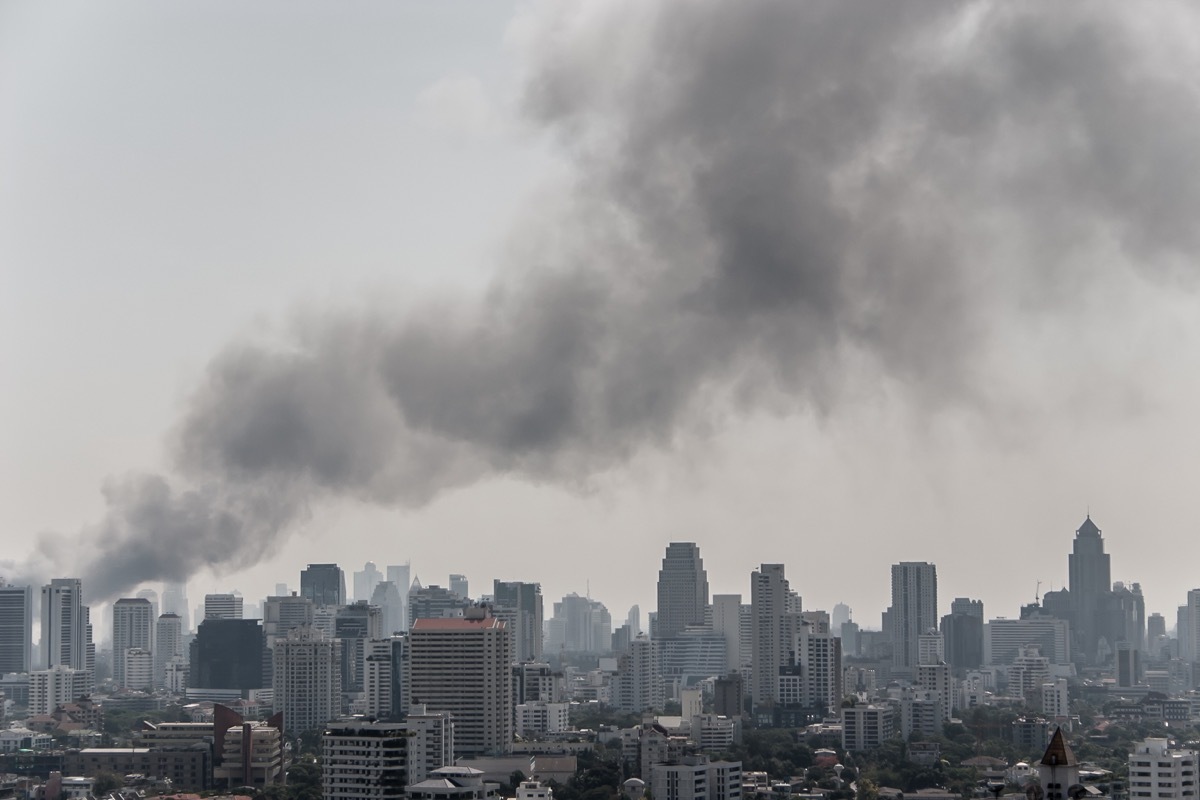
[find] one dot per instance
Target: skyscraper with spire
(682, 590)
(1090, 579)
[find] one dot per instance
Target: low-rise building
(866, 727)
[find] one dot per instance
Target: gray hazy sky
(528, 291)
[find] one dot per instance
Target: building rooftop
(457, 624)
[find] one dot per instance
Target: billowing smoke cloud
(764, 192)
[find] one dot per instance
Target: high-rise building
(365, 581)
(387, 597)
(1158, 772)
(281, 613)
(132, 627)
(427, 602)
(168, 646)
(579, 625)
(1090, 578)
(682, 590)
(228, 654)
(1188, 627)
(55, 686)
(223, 606)
(727, 622)
(462, 666)
(775, 611)
(866, 727)
(962, 630)
(526, 600)
(1004, 639)
(385, 695)
(638, 684)
(913, 610)
(152, 596)
(175, 601)
(138, 668)
(401, 575)
(16, 628)
(458, 585)
(66, 626)
(307, 679)
(818, 653)
(1156, 632)
(430, 743)
(364, 761)
(354, 626)
(324, 584)
(634, 620)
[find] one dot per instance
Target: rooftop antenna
(1037, 593)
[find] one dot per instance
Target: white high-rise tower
(133, 627)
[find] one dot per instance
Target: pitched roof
(1058, 753)
(1088, 528)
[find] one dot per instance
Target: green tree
(106, 783)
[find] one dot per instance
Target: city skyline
(868, 618)
(416, 306)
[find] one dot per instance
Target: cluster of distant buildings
(492, 673)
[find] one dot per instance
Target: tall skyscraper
(1090, 578)
(727, 622)
(152, 596)
(1189, 627)
(168, 646)
(365, 581)
(16, 628)
(458, 585)
(387, 597)
(962, 630)
(775, 612)
(634, 620)
(682, 590)
(282, 613)
(228, 654)
(526, 600)
(66, 626)
(401, 575)
(307, 679)
(132, 628)
(175, 601)
(913, 610)
(478, 690)
(324, 584)
(355, 625)
(579, 625)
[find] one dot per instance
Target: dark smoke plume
(763, 192)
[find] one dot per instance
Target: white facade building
(867, 727)
(55, 686)
(138, 668)
(222, 606)
(696, 778)
(308, 679)
(430, 743)
(168, 646)
(537, 718)
(1158, 772)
